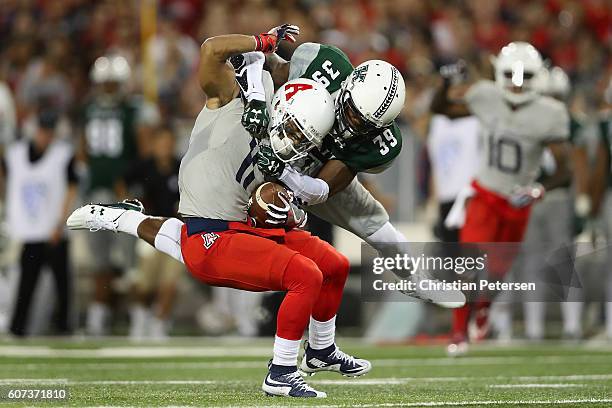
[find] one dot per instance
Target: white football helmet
(302, 113)
(559, 84)
(112, 68)
(517, 68)
(369, 99)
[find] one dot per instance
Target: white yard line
(355, 381)
(127, 352)
(552, 385)
(406, 380)
(261, 351)
(422, 404)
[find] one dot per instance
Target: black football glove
(255, 118)
(268, 163)
(454, 73)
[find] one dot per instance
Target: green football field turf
(229, 372)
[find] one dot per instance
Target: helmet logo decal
(384, 106)
(292, 89)
(359, 74)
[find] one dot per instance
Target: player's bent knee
(168, 239)
(302, 274)
(344, 266)
(336, 266)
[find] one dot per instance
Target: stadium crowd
(47, 82)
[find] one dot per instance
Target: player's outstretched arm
(333, 177)
(337, 175)
(216, 75)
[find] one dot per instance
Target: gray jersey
(218, 172)
(514, 139)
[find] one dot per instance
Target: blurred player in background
(216, 180)
(155, 182)
(518, 124)
(557, 218)
(109, 143)
(602, 191)
(110, 126)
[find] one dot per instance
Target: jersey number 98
(104, 137)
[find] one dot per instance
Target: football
(266, 193)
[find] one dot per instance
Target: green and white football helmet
(369, 100)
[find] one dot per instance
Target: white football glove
(278, 216)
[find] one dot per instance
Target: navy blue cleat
(288, 382)
(333, 359)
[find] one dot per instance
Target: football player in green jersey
(602, 190)
(109, 125)
(365, 138)
(554, 221)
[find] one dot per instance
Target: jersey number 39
(389, 140)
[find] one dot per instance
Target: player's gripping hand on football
(255, 118)
(288, 215)
(523, 196)
(267, 162)
(268, 42)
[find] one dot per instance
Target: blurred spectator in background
(44, 78)
(8, 116)
(453, 145)
(109, 126)
(41, 186)
(155, 182)
(175, 56)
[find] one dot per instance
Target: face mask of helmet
(518, 82)
(518, 69)
(350, 122)
(289, 139)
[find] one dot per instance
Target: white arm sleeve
(308, 189)
(248, 76)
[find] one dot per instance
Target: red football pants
(310, 270)
(490, 218)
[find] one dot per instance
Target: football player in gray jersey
(518, 125)
(216, 241)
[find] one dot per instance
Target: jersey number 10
(505, 154)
